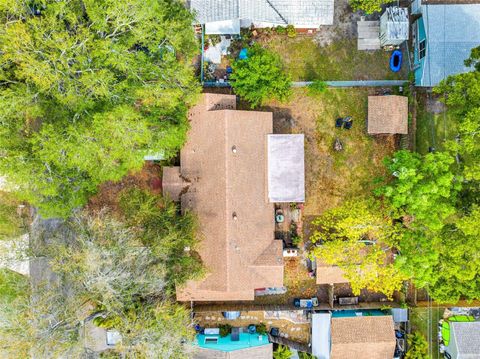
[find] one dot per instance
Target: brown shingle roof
(363, 337)
(329, 274)
(387, 114)
(172, 183)
(225, 162)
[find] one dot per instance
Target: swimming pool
(357, 313)
(227, 345)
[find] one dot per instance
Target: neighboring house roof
(286, 168)
(329, 274)
(362, 337)
(387, 114)
(451, 31)
(300, 13)
(465, 336)
(259, 352)
(225, 162)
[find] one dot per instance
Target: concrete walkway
(361, 83)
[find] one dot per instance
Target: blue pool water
(356, 313)
(227, 345)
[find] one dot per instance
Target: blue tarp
(243, 55)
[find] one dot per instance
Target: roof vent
(234, 149)
(234, 216)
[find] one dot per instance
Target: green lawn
(419, 320)
(341, 60)
(433, 129)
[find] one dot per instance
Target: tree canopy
(260, 77)
(122, 269)
(425, 187)
(368, 6)
(87, 89)
(358, 238)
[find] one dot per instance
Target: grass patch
(433, 129)
(306, 61)
(419, 320)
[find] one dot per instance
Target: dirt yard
(291, 323)
(332, 177)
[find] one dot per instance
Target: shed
(387, 115)
(394, 26)
(286, 168)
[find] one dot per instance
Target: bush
(317, 87)
(260, 77)
(225, 329)
(291, 32)
(418, 347)
(261, 328)
(280, 30)
(282, 352)
(11, 223)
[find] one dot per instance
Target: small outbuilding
(387, 115)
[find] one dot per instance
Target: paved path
(362, 83)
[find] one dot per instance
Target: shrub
(225, 329)
(261, 328)
(282, 352)
(291, 32)
(280, 30)
(317, 87)
(418, 347)
(260, 77)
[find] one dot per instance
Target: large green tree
(124, 272)
(260, 77)
(358, 238)
(87, 88)
(425, 188)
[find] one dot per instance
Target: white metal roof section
(321, 335)
(225, 27)
(286, 168)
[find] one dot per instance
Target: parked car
(305, 303)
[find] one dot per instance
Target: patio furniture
(235, 335)
(348, 301)
(212, 331)
(348, 123)
(339, 122)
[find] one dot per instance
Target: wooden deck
(368, 35)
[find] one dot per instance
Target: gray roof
(467, 338)
(452, 31)
(300, 13)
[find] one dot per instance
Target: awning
(321, 335)
(286, 168)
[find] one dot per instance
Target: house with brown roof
(358, 335)
(225, 179)
(387, 115)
